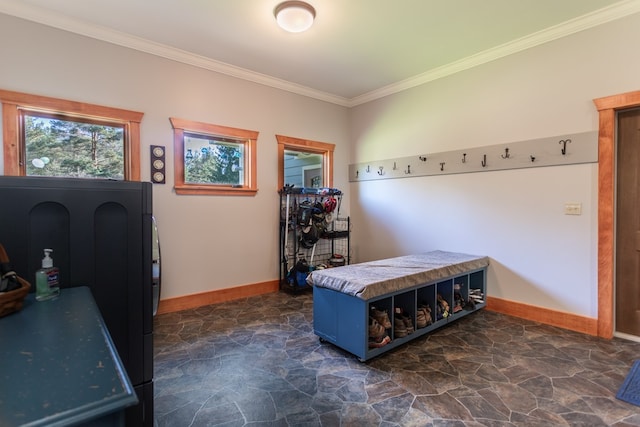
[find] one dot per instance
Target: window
(303, 162)
(55, 146)
(54, 137)
(213, 159)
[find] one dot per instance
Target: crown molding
(598, 17)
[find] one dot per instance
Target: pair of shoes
(403, 323)
(381, 316)
(381, 342)
(423, 316)
(376, 330)
(476, 295)
(443, 308)
(458, 302)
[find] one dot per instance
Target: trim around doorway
(607, 108)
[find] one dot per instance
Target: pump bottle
(47, 284)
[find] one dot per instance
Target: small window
(304, 163)
(55, 137)
(62, 147)
(213, 159)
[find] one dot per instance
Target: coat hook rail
(563, 150)
(578, 148)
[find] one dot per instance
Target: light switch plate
(573, 208)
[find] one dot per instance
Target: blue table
(59, 367)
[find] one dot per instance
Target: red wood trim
(171, 305)
(298, 144)
(10, 137)
(573, 322)
(607, 108)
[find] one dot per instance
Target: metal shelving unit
(313, 235)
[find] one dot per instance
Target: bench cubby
(343, 319)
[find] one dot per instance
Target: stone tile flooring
(256, 362)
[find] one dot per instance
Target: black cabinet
(100, 232)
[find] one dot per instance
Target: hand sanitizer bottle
(47, 285)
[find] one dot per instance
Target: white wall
(208, 242)
(539, 256)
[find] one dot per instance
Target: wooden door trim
(607, 108)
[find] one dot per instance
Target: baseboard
(170, 305)
(573, 322)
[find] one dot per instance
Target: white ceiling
(356, 51)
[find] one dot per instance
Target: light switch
(573, 208)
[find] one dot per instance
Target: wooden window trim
(298, 144)
(14, 102)
(250, 187)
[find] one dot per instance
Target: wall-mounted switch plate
(573, 208)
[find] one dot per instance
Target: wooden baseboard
(170, 305)
(573, 322)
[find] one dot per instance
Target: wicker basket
(12, 301)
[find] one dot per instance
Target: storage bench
(343, 297)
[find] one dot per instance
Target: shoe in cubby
(376, 330)
(381, 316)
(442, 308)
(423, 316)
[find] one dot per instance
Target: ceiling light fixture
(294, 16)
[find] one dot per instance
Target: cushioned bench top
(368, 280)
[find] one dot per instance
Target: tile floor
(256, 362)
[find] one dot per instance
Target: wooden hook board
(552, 151)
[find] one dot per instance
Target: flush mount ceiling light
(294, 16)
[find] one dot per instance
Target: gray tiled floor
(257, 362)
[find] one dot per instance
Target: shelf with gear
(313, 235)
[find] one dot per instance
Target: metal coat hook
(533, 159)
(564, 145)
(394, 166)
(368, 169)
(408, 171)
(442, 166)
(506, 154)
(464, 157)
(484, 161)
(381, 172)
(423, 158)
(357, 173)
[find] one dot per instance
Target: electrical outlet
(573, 208)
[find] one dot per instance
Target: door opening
(627, 225)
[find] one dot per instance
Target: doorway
(627, 245)
(607, 110)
